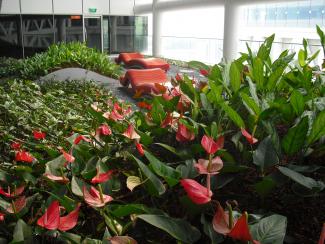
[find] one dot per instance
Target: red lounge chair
(143, 80)
(136, 60)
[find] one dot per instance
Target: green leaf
(215, 238)
(171, 175)
(270, 230)
(132, 182)
(169, 148)
(250, 104)
(297, 101)
(187, 170)
(155, 186)
(23, 233)
(307, 182)
(72, 238)
(177, 228)
(206, 105)
(198, 65)
(128, 209)
(258, 72)
(76, 186)
(302, 58)
(265, 156)
(318, 129)
(264, 187)
(235, 77)
(295, 139)
(233, 115)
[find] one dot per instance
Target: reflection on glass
(10, 36)
(141, 34)
(68, 28)
(122, 30)
(106, 34)
(93, 33)
(38, 33)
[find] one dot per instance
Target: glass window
(10, 36)
(38, 33)
(68, 28)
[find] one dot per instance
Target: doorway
(93, 32)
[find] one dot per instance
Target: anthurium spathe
(104, 130)
(184, 134)
(39, 135)
(17, 205)
(23, 156)
(122, 240)
(94, 198)
(59, 179)
(167, 121)
(131, 133)
(81, 138)
(211, 146)
(15, 145)
(322, 236)
(51, 219)
(237, 229)
(144, 105)
(250, 138)
(2, 217)
(203, 166)
(67, 156)
(16, 192)
(196, 192)
(102, 177)
(204, 72)
(139, 148)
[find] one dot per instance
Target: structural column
(231, 24)
(156, 32)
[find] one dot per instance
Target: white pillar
(231, 23)
(156, 32)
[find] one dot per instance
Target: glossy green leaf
(23, 233)
(265, 156)
(307, 182)
(297, 101)
(155, 186)
(235, 77)
(250, 104)
(318, 129)
(295, 139)
(233, 115)
(177, 228)
(171, 175)
(270, 230)
(258, 72)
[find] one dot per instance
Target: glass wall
(68, 28)
(193, 34)
(38, 33)
(10, 36)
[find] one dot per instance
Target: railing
(210, 50)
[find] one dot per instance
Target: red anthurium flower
(68, 156)
(167, 121)
(17, 205)
(92, 197)
(139, 148)
(251, 140)
(183, 134)
(104, 130)
(81, 138)
(24, 156)
(196, 192)
(2, 216)
(60, 179)
(122, 240)
(15, 145)
(178, 77)
(102, 177)
(144, 105)
(39, 135)
(69, 221)
(240, 230)
(211, 146)
(115, 115)
(127, 111)
(204, 72)
(18, 191)
(117, 107)
(51, 219)
(202, 166)
(131, 133)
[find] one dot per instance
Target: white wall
(102, 7)
(68, 7)
(119, 7)
(36, 6)
(10, 7)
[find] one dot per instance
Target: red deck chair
(137, 61)
(143, 80)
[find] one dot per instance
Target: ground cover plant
(236, 159)
(58, 56)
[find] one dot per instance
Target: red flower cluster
(39, 135)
